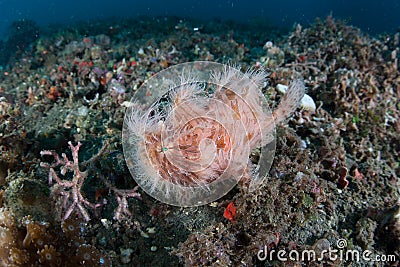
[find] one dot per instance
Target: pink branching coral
(70, 193)
(195, 147)
(122, 196)
(70, 190)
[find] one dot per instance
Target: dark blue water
(371, 16)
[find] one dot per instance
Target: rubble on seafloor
(335, 174)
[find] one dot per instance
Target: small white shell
(307, 103)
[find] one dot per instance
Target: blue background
(372, 16)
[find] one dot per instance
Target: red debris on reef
(230, 212)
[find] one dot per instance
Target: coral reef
(32, 243)
(338, 143)
(334, 177)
